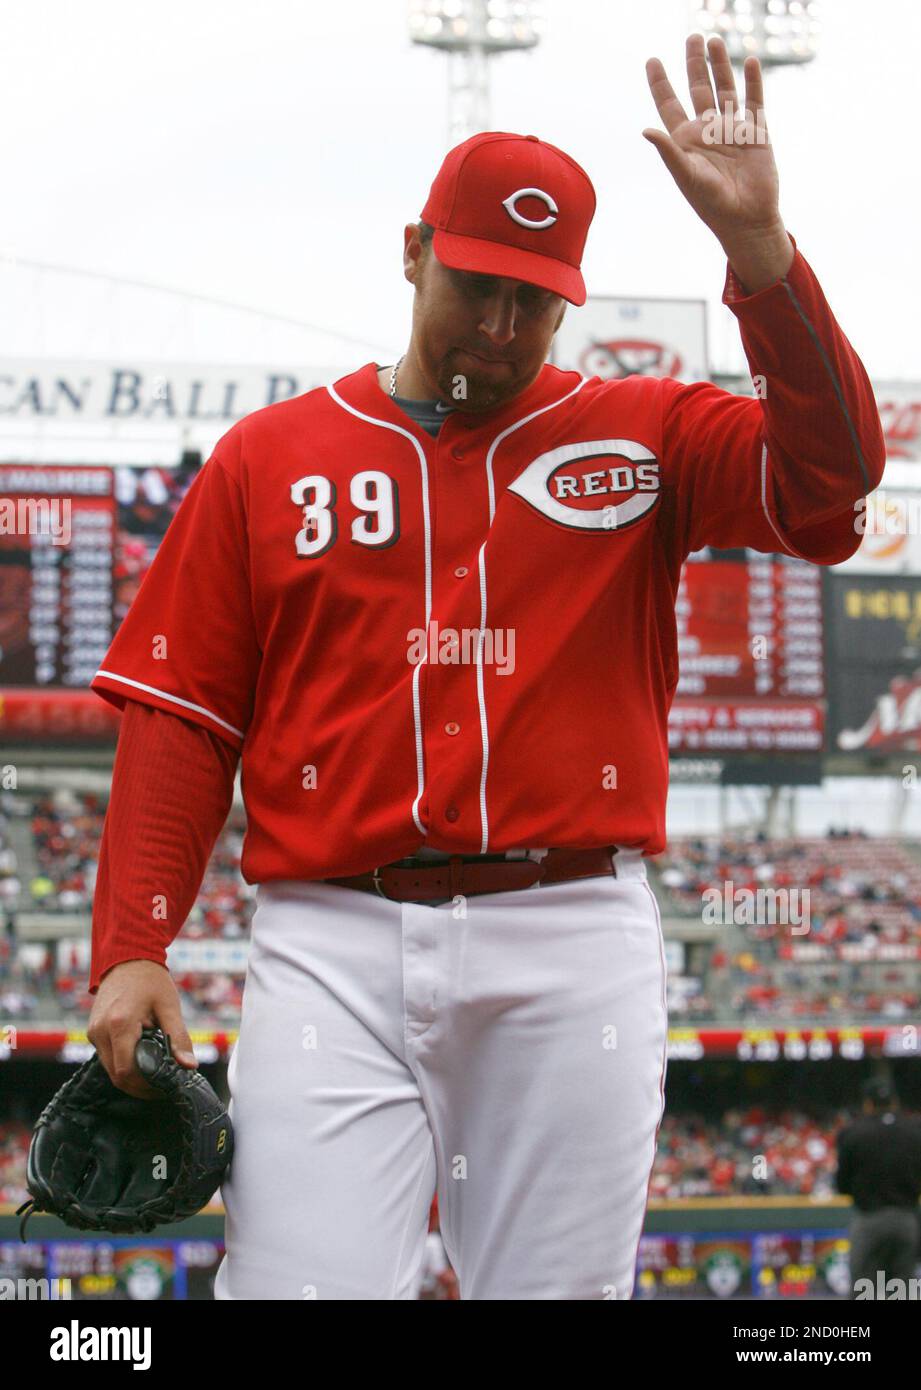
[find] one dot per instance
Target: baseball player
(431, 606)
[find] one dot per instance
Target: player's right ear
(413, 253)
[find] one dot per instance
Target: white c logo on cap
(509, 205)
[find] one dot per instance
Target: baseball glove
(103, 1161)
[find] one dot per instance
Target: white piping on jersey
(481, 569)
(417, 670)
(777, 532)
(173, 699)
(481, 566)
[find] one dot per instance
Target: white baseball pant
(514, 1057)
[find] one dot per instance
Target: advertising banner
(873, 629)
(616, 337)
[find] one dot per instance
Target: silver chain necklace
(393, 377)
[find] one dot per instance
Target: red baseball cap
(513, 205)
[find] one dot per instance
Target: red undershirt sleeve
(172, 788)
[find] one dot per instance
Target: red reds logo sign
(599, 485)
(629, 357)
(901, 421)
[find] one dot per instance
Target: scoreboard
(56, 561)
(75, 543)
(751, 655)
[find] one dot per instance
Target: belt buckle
(376, 876)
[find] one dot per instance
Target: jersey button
(452, 728)
(461, 571)
(457, 453)
(452, 813)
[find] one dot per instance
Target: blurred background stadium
(791, 890)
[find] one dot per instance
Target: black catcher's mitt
(103, 1161)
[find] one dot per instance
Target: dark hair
(425, 233)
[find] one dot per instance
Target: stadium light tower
(471, 32)
(780, 33)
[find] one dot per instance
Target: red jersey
(469, 641)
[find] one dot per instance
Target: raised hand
(724, 165)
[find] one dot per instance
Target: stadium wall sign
(611, 337)
(794, 1044)
(56, 391)
(873, 633)
(894, 723)
(899, 405)
(889, 523)
(854, 952)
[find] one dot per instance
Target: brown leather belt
(422, 882)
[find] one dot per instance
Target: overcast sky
(270, 154)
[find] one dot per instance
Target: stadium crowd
(752, 1152)
(808, 929)
(860, 890)
(746, 1152)
(850, 953)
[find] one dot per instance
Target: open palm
(731, 185)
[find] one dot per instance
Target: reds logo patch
(552, 211)
(599, 485)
